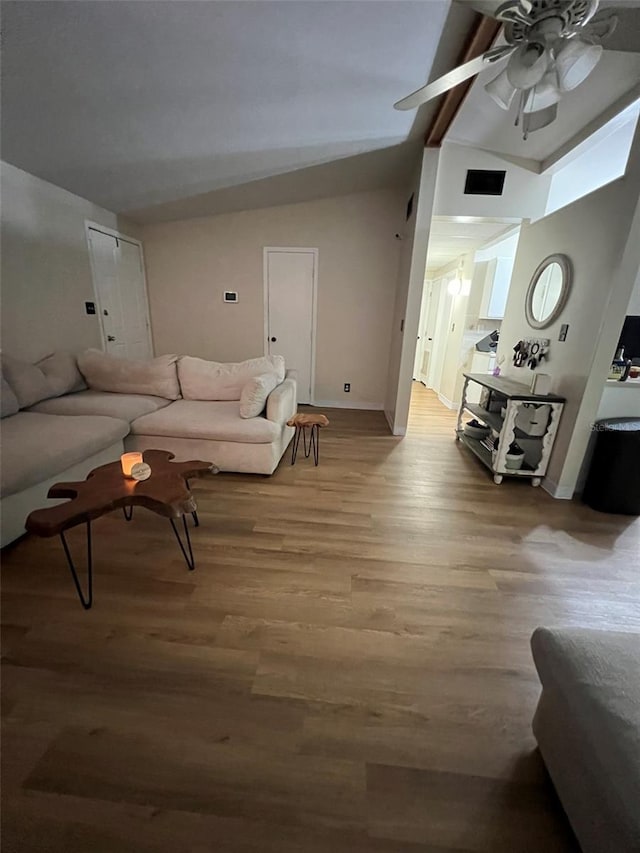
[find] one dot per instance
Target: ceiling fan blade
(453, 78)
(514, 12)
(600, 28)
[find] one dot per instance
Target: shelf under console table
(513, 415)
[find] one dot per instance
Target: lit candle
(128, 460)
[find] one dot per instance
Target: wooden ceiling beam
(481, 37)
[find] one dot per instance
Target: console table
(503, 407)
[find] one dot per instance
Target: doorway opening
(467, 279)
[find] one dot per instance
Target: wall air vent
(484, 182)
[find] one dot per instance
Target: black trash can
(613, 482)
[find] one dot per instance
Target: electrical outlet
(347, 387)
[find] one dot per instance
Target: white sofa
(52, 431)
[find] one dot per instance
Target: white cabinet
(497, 279)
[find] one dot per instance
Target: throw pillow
(61, 371)
(213, 380)
(104, 372)
(254, 395)
(27, 381)
(8, 400)
(52, 376)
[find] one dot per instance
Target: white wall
(46, 275)
(601, 235)
(189, 264)
(505, 248)
(524, 195)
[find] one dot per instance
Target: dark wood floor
(347, 669)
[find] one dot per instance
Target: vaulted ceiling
(165, 109)
(139, 104)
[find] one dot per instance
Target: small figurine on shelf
(496, 369)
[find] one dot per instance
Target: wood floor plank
(347, 669)
(191, 774)
(423, 805)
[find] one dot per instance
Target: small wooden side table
(303, 422)
(165, 492)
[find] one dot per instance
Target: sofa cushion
(36, 447)
(156, 377)
(213, 380)
(209, 420)
(591, 740)
(254, 395)
(128, 407)
(52, 376)
(8, 401)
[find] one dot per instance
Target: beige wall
(190, 263)
(410, 285)
(46, 275)
(601, 235)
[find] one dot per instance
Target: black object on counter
(488, 343)
(613, 482)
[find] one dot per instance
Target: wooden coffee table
(165, 492)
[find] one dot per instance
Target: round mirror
(548, 291)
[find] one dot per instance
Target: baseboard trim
(448, 403)
(340, 404)
(553, 489)
(389, 419)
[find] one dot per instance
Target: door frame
(111, 232)
(314, 304)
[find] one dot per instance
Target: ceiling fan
(552, 46)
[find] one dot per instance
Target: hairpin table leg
(196, 520)
(191, 564)
(88, 601)
(296, 442)
(314, 445)
(127, 511)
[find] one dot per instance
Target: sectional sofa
(66, 415)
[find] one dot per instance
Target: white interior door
(118, 278)
(290, 276)
(419, 358)
(430, 330)
(439, 343)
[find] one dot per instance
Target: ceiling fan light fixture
(501, 90)
(528, 65)
(545, 94)
(537, 120)
(575, 60)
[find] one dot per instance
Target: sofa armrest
(282, 402)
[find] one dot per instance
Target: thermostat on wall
(230, 296)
